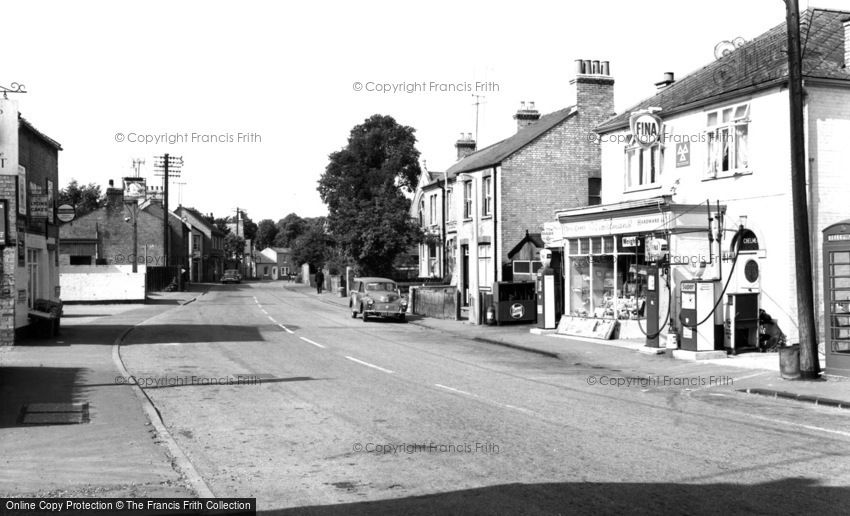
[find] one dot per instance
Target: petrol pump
(547, 293)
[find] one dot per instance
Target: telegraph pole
(809, 363)
(167, 166)
(477, 103)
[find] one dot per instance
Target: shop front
(610, 252)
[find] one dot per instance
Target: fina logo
(517, 311)
(647, 127)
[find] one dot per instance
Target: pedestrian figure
(320, 279)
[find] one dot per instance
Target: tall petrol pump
(547, 293)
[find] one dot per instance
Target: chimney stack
(846, 22)
(668, 79)
(114, 197)
(465, 145)
(526, 115)
(594, 88)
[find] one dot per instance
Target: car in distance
(231, 276)
(377, 297)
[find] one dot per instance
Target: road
(386, 417)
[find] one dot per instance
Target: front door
(464, 274)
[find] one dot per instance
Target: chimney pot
(111, 183)
(579, 67)
(531, 105)
(595, 67)
(605, 68)
(586, 66)
(465, 146)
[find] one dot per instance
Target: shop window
(467, 199)
(487, 196)
(594, 191)
(485, 266)
(606, 285)
(643, 166)
(80, 260)
(727, 137)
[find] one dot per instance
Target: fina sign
(647, 127)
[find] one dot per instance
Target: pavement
(53, 382)
(763, 378)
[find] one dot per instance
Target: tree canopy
(266, 233)
(84, 198)
(363, 186)
(288, 229)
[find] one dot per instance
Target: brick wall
(9, 263)
(552, 172)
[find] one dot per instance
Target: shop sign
(630, 241)
(135, 189)
(839, 237)
(646, 128)
(39, 206)
(749, 241)
(683, 154)
(50, 203)
(614, 226)
(8, 137)
(4, 216)
(551, 234)
(517, 311)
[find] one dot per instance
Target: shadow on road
(787, 496)
(20, 386)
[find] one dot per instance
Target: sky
(254, 95)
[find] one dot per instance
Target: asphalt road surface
(338, 416)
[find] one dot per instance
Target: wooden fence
(159, 278)
(440, 302)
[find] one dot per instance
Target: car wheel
(354, 314)
(364, 314)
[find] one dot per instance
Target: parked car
(231, 276)
(377, 297)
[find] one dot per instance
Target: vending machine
(702, 330)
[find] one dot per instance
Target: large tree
(363, 187)
(84, 198)
(312, 245)
(288, 229)
(266, 233)
(234, 246)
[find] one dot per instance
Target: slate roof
(496, 153)
(261, 258)
(758, 63)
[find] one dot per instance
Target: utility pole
(809, 363)
(168, 167)
(137, 166)
(476, 104)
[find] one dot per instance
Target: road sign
(66, 213)
(683, 154)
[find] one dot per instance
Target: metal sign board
(683, 154)
(135, 189)
(39, 206)
(66, 213)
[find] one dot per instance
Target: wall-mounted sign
(749, 241)
(551, 234)
(517, 311)
(22, 190)
(615, 226)
(8, 137)
(66, 213)
(39, 206)
(630, 241)
(646, 128)
(50, 203)
(4, 217)
(135, 189)
(683, 154)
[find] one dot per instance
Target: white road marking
(367, 364)
(807, 427)
(454, 390)
(311, 342)
(264, 311)
(505, 405)
(272, 319)
(287, 330)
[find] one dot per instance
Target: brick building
(105, 236)
(205, 246)
(28, 189)
(496, 195)
(723, 137)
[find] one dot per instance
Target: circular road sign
(65, 213)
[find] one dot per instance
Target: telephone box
(836, 298)
(699, 325)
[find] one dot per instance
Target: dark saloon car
(231, 276)
(377, 297)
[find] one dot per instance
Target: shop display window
(604, 280)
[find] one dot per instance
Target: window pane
(522, 267)
(536, 266)
(727, 115)
(741, 111)
(839, 257)
(742, 153)
(724, 149)
(712, 119)
(841, 270)
(840, 282)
